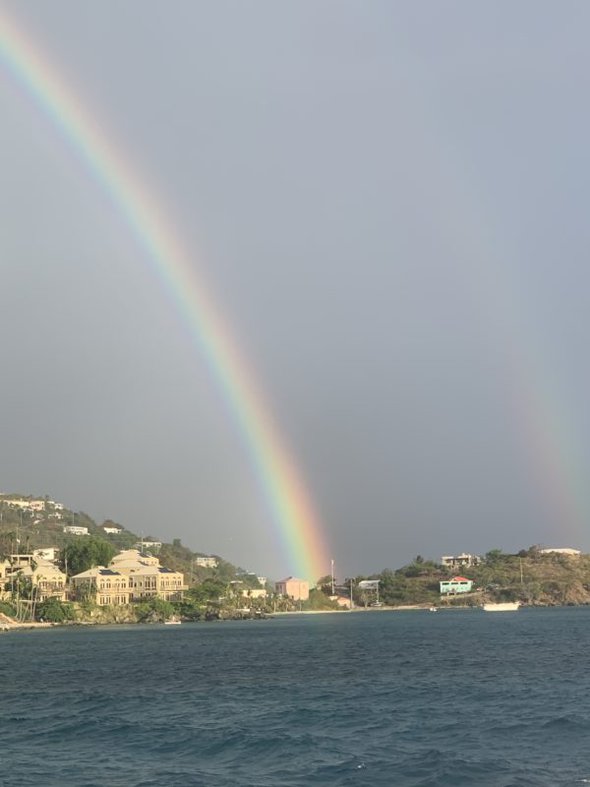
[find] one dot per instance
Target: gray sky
(389, 201)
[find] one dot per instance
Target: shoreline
(19, 625)
(7, 624)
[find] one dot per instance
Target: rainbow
(295, 521)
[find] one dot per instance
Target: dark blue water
(383, 698)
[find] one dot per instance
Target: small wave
(568, 723)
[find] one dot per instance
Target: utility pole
(332, 573)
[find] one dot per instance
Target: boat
(505, 606)
(172, 622)
(432, 609)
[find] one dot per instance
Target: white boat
(433, 609)
(506, 606)
(172, 622)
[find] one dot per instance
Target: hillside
(529, 576)
(23, 529)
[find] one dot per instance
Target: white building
(464, 560)
(207, 562)
(253, 592)
(76, 530)
(148, 545)
(113, 530)
(561, 551)
(49, 554)
(25, 505)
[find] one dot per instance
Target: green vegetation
(84, 553)
(228, 591)
(529, 576)
(55, 611)
(7, 608)
(319, 600)
(156, 610)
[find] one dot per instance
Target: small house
(449, 587)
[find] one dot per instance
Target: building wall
(104, 590)
(297, 589)
(254, 593)
(149, 583)
(76, 530)
(206, 562)
(453, 586)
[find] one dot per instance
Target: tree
(86, 552)
(55, 611)
(209, 590)
(325, 584)
(155, 610)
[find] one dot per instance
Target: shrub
(55, 611)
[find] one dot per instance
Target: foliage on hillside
(85, 553)
(24, 530)
(530, 577)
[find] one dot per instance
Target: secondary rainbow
(296, 522)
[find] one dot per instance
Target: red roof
(460, 579)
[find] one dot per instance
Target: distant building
(49, 554)
(131, 576)
(112, 530)
(47, 581)
(207, 562)
(464, 560)
(132, 558)
(297, 589)
(147, 578)
(449, 587)
(261, 580)
(27, 505)
(104, 586)
(148, 545)
(76, 530)
(253, 592)
(560, 551)
(150, 581)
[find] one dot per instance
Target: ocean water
(381, 698)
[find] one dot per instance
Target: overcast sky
(389, 201)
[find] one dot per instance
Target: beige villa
(130, 576)
(147, 577)
(102, 585)
(46, 579)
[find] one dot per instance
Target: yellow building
(149, 581)
(130, 576)
(147, 578)
(103, 586)
(47, 581)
